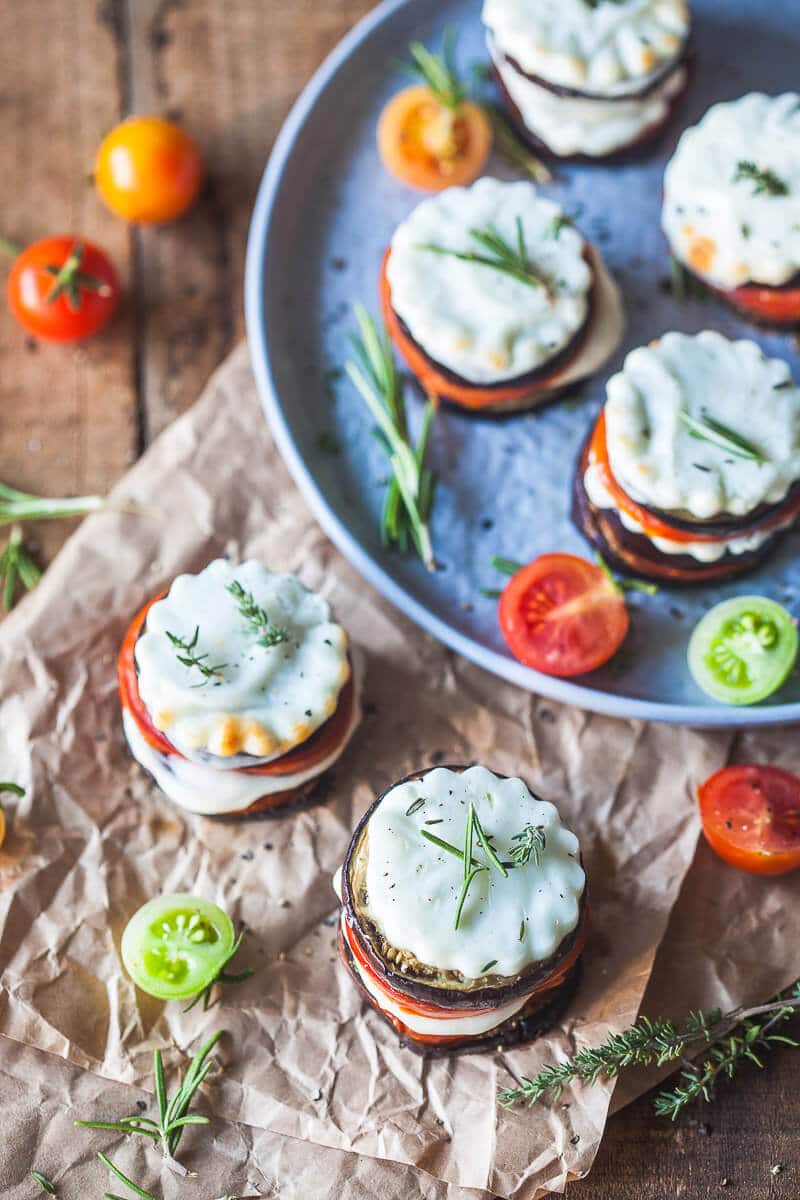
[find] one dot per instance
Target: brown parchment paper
(93, 838)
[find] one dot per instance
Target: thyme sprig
(529, 843)
(42, 1180)
(438, 71)
(268, 634)
(189, 659)
(706, 429)
(173, 1114)
(222, 976)
(765, 182)
(730, 1039)
(511, 258)
(409, 498)
(16, 564)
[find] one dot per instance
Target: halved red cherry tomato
(776, 306)
(562, 615)
(62, 289)
(751, 818)
(148, 170)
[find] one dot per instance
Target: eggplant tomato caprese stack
(692, 472)
(237, 689)
(494, 299)
(732, 205)
(588, 79)
(463, 910)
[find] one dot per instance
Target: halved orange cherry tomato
(777, 306)
(62, 288)
(751, 818)
(562, 615)
(430, 146)
(148, 170)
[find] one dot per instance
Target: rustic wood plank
(229, 73)
(67, 415)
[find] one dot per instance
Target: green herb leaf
(510, 259)
(134, 1187)
(625, 585)
(484, 842)
(189, 659)
(13, 788)
(488, 966)
(44, 1183)
(23, 506)
(438, 71)
(508, 566)
(464, 890)
(706, 429)
(17, 564)
(409, 498)
(415, 806)
(530, 843)
(222, 976)
(683, 284)
(268, 634)
(765, 181)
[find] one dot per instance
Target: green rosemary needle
(16, 564)
(13, 788)
(268, 634)
(706, 429)
(409, 497)
(438, 71)
(43, 1183)
(222, 976)
(765, 182)
(189, 659)
(448, 846)
(134, 1187)
(509, 258)
(484, 842)
(23, 506)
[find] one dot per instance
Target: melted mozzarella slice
(413, 886)
(262, 700)
(718, 219)
(483, 324)
(571, 125)
(201, 789)
(658, 461)
(607, 49)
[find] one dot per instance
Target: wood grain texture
(72, 420)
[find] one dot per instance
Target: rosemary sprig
(222, 976)
(23, 506)
(448, 846)
(625, 585)
(410, 495)
(173, 1114)
(730, 1039)
(509, 258)
(190, 659)
(438, 71)
(43, 1183)
(268, 634)
(16, 564)
(706, 429)
(134, 1187)
(484, 843)
(530, 843)
(765, 181)
(512, 148)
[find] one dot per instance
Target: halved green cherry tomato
(175, 946)
(562, 615)
(743, 649)
(751, 818)
(63, 289)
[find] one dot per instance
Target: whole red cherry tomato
(62, 288)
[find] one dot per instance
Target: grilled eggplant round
(397, 984)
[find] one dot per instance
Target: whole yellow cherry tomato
(148, 170)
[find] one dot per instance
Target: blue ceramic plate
(325, 212)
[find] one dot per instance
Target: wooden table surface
(72, 420)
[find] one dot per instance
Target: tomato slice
(743, 649)
(425, 144)
(562, 615)
(775, 305)
(176, 945)
(751, 818)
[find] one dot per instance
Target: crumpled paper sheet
(93, 839)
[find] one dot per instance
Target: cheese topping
(202, 789)
(261, 700)
(728, 225)
(413, 886)
(658, 461)
(482, 323)
(606, 47)
(573, 125)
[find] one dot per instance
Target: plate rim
(547, 686)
